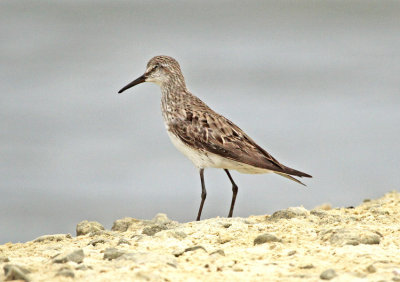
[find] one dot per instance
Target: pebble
(123, 241)
(195, 248)
(112, 253)
(328, 274)
(225, 237)
(15, 272)
(178, 252)
(306, 266)
(4, 259)
(123, 224)
(151, 230)
(371, 268)
(318, 212)
(100, 233)
(219, 252)
(85, 227)
(237, 268)
(76, 256)
(290, 213)
(52, 238)
(179, 235)
(83, 267)
(291, 253)
(66, 272)
(350, 236)
(161, 218)
(94, 242)
(266, 238)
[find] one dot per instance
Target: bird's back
(219, 141)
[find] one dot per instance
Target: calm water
(316, 84)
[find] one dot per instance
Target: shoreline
(339, 244)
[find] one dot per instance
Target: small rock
(266, 238)
(378, 211)
(94, 242)
(237, 268)
(290, 213)
(161, 218)
(52, 238)
(194, 248)
(224, 237)
(123, 241)
(85, 227)
(328, 274)
(319, 213)
(178, 252)
(219, 252)
(179, 235)
(306, 266)
(137, 237)
(282, 214)
(226, 225)
(98, 233)
(66, 272)
(151, 230)
(112, 253)
(83, 267)
(350, 236)
(15, 272)
(371, 268)
(4, 259)
(370, 239)
(76, 256)
(291, 253)
(353, 242)
(123, 224)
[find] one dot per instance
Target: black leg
(203, 193)
(234, 190)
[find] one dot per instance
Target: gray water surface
(314, 83)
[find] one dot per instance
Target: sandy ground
(339, 244)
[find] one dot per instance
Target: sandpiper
(207, 138)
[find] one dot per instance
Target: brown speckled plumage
(206, 137)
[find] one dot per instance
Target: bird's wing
(206, 130)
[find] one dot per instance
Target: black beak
(138, 80)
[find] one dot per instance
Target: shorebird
(207, 138)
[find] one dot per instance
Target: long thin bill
(138, 80)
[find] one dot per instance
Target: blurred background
(316, 83)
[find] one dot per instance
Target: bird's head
(161, 70)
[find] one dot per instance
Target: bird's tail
(288, 172)
(290, 177)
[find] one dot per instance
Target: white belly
(203, 159)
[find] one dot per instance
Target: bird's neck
(173, 83)
(173, 89)
(173, 95)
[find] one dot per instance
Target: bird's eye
(156, 67)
